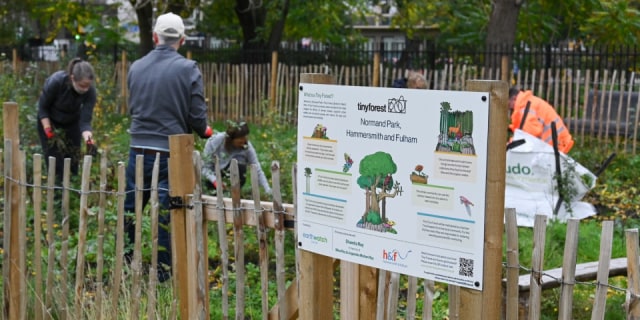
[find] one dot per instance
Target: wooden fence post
(14, 238)
(123, 82)
(83, 220)
(273, 94)
(316, 270)
(504, 62)
(181, 182)
(197, 242)
(513, 262)
(632, 306)
(14, 60)
(488, 301)
(376, 69)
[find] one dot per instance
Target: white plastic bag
(531, 184)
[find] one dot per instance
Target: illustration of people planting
(376, 178)
(320, 132)
(456, 129)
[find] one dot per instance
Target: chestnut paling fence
(602, 104)
(64, 259)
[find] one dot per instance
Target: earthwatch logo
(394, 105)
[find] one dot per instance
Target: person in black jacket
(65, 111)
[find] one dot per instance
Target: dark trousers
(164, 217)
(65, 145)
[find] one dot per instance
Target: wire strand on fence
(206, 204)
(78, 191)
(576, 282)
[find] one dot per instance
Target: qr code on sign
(466, 267)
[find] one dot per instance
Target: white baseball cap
(169, 25)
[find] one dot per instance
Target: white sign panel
(394, 179)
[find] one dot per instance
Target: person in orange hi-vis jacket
(534, 115)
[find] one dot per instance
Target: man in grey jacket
(166, 97)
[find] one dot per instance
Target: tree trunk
(278, 28)
(367, 204)
(252, 17)
(145, 23)
(501, 32)
(374, 202)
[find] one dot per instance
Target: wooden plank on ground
(584, 272)
(223, 212)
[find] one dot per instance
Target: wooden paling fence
(51, 292)
(595, 104)
(523, 292)
(67, 261)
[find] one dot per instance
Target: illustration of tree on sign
(376, 178)
(307, 174)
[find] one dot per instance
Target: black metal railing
(422, 56)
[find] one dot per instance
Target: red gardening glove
(91, 148)
(48, 131)
(215, 185)
(208, 132)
